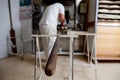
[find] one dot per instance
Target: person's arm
(61, 14)
(61, 18)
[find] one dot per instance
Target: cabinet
(108, 43)
(108, 30)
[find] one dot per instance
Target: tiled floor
(13, 68)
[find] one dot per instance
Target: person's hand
(62, 24)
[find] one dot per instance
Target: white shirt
(50, 15)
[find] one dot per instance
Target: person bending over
(53, 14)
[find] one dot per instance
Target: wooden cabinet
(108, 30)
(108, 42)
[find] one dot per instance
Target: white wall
(5, 23)
(22, 27)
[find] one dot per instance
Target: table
(71, 35)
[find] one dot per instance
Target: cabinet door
(108, 43)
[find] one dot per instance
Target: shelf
(109, 7)
(109, 10)
(105, 11)
(109, 16)
(109, 2)
(108, 24)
